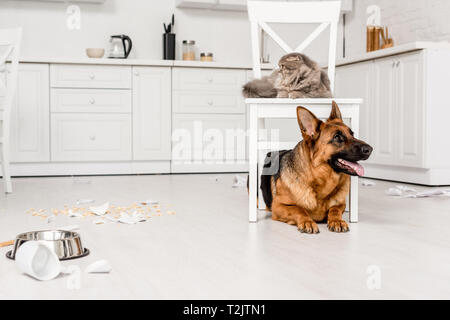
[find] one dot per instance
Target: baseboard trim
(88, 168)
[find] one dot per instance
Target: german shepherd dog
(310, 183)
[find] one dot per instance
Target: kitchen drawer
(206, 79)
(208, 137)
(91, 137)
(193, 102)
(91, 100)
(87, 76)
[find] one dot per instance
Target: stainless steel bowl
(66, 244)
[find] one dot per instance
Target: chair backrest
(324, 12)
(10, 40)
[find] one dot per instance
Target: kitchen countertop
(141, 62)
(403, 48)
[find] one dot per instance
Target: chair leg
(261, 156)
(253, 164)
(353, 212)
(5, 169)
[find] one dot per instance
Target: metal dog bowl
(66, 244)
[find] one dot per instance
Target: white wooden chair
(325, 13)
(10, 40)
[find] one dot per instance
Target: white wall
(226, 34)
(408, 20)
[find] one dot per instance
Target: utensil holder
(169, 46)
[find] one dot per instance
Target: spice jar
(206, 56)
(189, 50)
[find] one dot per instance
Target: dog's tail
(260, 88)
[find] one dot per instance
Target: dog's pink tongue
(359, 169)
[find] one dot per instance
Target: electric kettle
(120, 46)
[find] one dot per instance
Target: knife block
(169, 46)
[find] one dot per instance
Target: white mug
(37, 259)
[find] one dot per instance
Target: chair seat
(339, 101)
(285, 108)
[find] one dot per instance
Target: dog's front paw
(308, 227)
(338, 226)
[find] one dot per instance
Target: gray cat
(297, 77)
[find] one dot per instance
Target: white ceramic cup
(37, 259)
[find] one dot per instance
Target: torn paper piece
(51, 218)
(100, 210)
(131, 219)
(149, 202)
(394, 192)
(99, 221)
(126, 219)
(111, 219)
(70, 228)
(239, 181)
(138, 217)
(84, 201)
(368, 183)
(408, 192)
(406, 188)
(433, 193)
(74, 214)
(100, 266)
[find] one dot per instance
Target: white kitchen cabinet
(90, 76)
(208, 80)
(209, 143)
(411, 110)
(91, 100)
(385, 140)
(91, 137)
(407, 107)
(357, 81)
(30, 133)
(151, 113)
(392, 115)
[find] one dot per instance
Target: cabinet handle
(92, 101)
(92, 138)
(210, 79)
(210, 102)
(137, 74)
(92, 76)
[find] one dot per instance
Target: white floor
(208, 250)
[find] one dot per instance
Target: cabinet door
(410, 102)
(355, 81)
(151, 113)
(209, 138)
(30, 115)
(384, 114)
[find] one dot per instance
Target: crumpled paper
(367, 183)
(409, 192)
(100, 210)
(239, 181)
(100, 266)
(74, 214)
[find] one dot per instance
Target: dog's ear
(335, 112)
(308, 122)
